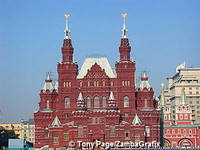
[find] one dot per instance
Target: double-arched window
(67, 102)
(126, 101)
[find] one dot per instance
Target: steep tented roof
(48, 83)
(144, 82)
(102, 62)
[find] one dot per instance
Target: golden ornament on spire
(124, 15)
(67, 16)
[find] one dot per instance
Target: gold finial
(124, 15)
(67, 16)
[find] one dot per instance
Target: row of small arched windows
(96, 102)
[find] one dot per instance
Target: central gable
(96, 72)
(92, 62)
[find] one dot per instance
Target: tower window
(147, 130)
(96, 102)
(145, 103)
(81, 83)
(88, 102)
(127, 134)
(80, 131)
(55, 140)
(126, 101)
(112, 130)
(104, 102)
(65, 136)
(48, 106)
(67, 102)
(111, 83)
(104, 83)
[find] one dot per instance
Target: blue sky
(162, 34)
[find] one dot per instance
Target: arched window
(104, 102)
(145, 103)
(186, 116)
(111, 83)
(112, 130)
(126, 101)
(67, 102)
(97, 83)
(48, 105)
(81, 83)
(46, 133)
(80, 131)
(127, 135)
(96, 102)
(88, 102)
(104, 83)
(65, 136)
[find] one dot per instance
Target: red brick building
(179, 129)
(96, 102)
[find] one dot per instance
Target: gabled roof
(48, 83)
(56, 122)
(102, 62)
(136, 120)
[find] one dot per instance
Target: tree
(5, 135)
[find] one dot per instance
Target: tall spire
(67, 49)
(67, 30)
(124, 30)
(124, 47)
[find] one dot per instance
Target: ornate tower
(125, 69)
(47, 95)
(145, 94)
(67, 72)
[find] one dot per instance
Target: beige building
(189, 79)
(28, 130)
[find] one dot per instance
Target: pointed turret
(67, 49)
(56, 122)
(111, 101)
(136, 120)
(144, 82)
(183, 100)
(124, 48)
(48, 83)
(81, 102)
